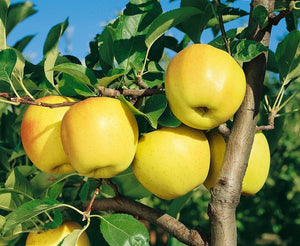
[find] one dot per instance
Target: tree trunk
(225, 195)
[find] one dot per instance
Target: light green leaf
(9, 201)
(79, 72)
(123, 229)
(105, 81)
(166, 21)
(72, 238)
(246, 50)
(288, 57)
(48, 65)
(3, 17)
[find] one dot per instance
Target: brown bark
(225, 195)
(168, 223)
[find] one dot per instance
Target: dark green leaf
(53, 37)
(168, 119)
(57, 220)
(17, 13)
(166, 21)
(291, 21)
(272, 63)
(129, 186)
(246, 50)
(123, 229)
(84, 192)
(178, 204)
(21, 44)
(288, 57)
(55, 190)
(8, 60)
(18, 182)
(70, 86)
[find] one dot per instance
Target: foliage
(129, 54)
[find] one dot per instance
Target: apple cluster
(99, 137)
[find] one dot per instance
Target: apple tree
(127, 61)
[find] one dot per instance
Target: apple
(204, 86)
(99, 136)
(40, 135)
(170, 162)
(53, 237)
(258, 164)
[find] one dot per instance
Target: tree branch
(168, 223)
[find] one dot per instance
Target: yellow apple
(170, 162)
(53, 237)
(99, 136)
(40, 135)
(204, 86)
(258, 164)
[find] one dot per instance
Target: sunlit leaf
(246, 50)
(123, 229)
(8, 59)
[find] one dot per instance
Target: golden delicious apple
(52, 237)
(170, 162)
(258, 164)
(99, 136)
(40, 135)
(204, 86)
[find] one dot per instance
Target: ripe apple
(170, 162)
(53, 237)
(40, 135)
(258, 164)
(204, 86)
(99, 136)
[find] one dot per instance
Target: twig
(90, 203)
(140, 82)
(268, 127)
(168, 223)
(224, 130)
(110, 92)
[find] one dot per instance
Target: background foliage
(117, 60)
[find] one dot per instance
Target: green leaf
(272, 63)
(9, 201)
(123, 229)
(105, 81)
(70, 86)
(153, 109)
(55, 190)
(129, 186)
(129, 43)
(166, 21)
(17, 13)
(288, 57)
(168, 119)
(18, 182)
(8, 60)
(22, 43)
(84, 192)
(57, 220)
(3, 17)
(53, 37)
(26, 212)
(50, 49)
(246, 50)
(79, 72)
(178, 204)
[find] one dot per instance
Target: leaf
(288, 57)
(246, 50)
(168, 119)
(154, 108)
(50, 49)
(55, 190)
(178, 204)
(18, 182)
(105, 81)
(72, 238)
(166, 21)
(9, 201)
(8, 60)
(22, 43)
(84, 192)
(123, 229)
(17, 13)
(70, 86)
(129, 186)
(3, 17)
(27, 211)
(79, 72)
(130, 33)
(57, 220)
